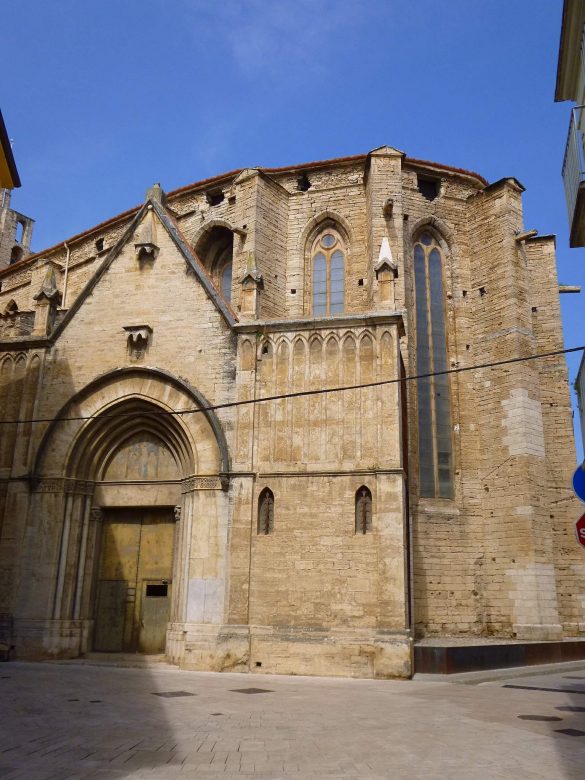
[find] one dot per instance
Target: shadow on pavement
(74, 719)
(562, 710)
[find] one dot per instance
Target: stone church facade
(152, 501)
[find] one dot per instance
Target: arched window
(328, 274)
(435, 446)
(266, 511)
(215, 250)
(363, 510)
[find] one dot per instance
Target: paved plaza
(79, 720)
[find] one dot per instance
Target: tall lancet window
(435, 445)
(328, 269)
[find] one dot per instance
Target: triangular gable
(178, 239)
(389, 151)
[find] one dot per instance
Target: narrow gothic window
(363, 510)
(226, 280)
(266, 511)
(328, 274)
(222, 271)
(435, 446)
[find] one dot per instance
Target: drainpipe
(64, 301)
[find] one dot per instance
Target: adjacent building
(15, 228)
(580, 388)
(9, 177)
(570, 85)
(213, 444)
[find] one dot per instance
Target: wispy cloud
(267, 37)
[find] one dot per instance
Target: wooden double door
(133, 593)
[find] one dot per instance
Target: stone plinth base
(340, 653)
(540, 633)
(46, 639)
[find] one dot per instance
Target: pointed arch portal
(139, 456)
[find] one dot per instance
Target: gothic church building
(151, 501)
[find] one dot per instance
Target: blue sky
(104, 98)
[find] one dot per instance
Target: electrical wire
(300, 393)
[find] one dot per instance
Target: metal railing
(573, 163)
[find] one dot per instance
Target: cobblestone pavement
(85, 721)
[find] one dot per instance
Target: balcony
(574, 177)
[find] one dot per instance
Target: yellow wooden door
(155, 565)
(134, 582)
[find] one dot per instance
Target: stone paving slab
(78, 722)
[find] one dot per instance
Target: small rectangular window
(215, 198)
(157, 590)
(428, 188)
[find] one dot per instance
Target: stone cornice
(24, 342)
(323, 323)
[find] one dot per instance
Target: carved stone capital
(96, 514)
(177, 511)
(201, 483)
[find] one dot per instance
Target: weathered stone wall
(314, 578)
(336, 196)
(447, 536)
(563, 508)
(313, 596)
(520, 593)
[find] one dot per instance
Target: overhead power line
(301, 393)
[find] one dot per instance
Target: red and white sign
(580, 530)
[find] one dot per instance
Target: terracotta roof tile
(229, 175)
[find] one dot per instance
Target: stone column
(81, 561)
(177, 557)
(251, 283)
(386, 272)
(385, 214)
(262, 212)
(521, 591)
(47, 300)
(63, 549)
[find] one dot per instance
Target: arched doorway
(134, 580)
(136, 454)
(134, 577)
(136, 445)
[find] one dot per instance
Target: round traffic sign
(579, 482)
(580, 530)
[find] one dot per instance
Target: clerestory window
(215, 250)
(223, 272)
(435, 446)
(328, 274)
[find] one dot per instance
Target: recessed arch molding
(78, 447)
